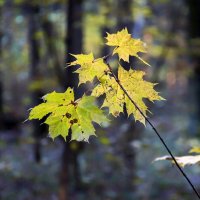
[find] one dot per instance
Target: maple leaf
(182, 160)
(53, 102)
(87, 112)
(136, 87)
(65, 113)
(125, 45)
(89, 67)
(114, 95)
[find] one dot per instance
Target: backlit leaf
(136, 87)
(65, 113)
(114, 95)
(89, 67)
(125, 45)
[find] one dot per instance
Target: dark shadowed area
(36, 38)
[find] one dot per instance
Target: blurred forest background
(35, 39)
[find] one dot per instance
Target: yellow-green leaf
(65, 113)
(114, 95)
(89, 67)
(58, 126)
(125, 45)
(136, 87)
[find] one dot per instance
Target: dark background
(35, 39)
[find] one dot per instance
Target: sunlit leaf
(136, 87)
(89, 67)
(125, 45)
(65, 113)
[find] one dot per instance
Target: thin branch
(152, 126)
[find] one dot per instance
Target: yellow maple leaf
(136, 85)
(125, 45)
(137, 89)
(114, 95)
(89, 67)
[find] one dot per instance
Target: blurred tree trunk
(1, 77)
(194, 33)
(74, 46)
(50, 39)
(106, 28)
(1, 81)
(124, 15)
(175, 14)
(74, 37)
(34, 47)
(125, 20)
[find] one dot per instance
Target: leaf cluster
(65, 113)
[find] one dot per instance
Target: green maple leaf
(89, 67)
(136, 87)
(65, 113)
(125, 45)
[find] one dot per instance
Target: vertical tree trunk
(74, 46)
(194, 33)
(50, 39)
(1, 82)
(124, 15)
(125, 20)
(74, 37)
(33, 28)
(105, 28)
